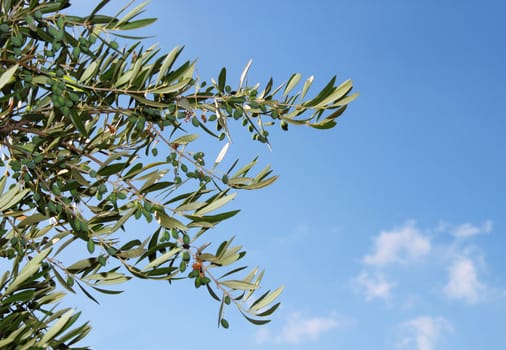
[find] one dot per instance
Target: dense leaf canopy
(97, 131)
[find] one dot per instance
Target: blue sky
(388, 230)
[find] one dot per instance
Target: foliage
(95, 136)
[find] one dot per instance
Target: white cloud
(422, 333)
(374, 286)
(463, 281)
(263, 335)
(468, 230)
(401, 245)
(299, 329)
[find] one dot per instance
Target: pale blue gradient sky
(366, 226)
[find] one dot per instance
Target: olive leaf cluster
(98, 131)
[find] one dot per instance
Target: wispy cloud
(298, 329)
(374, 287)
(463, 282)
(401, 245)
(422, 333)
(408, 244)
(468, 230)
